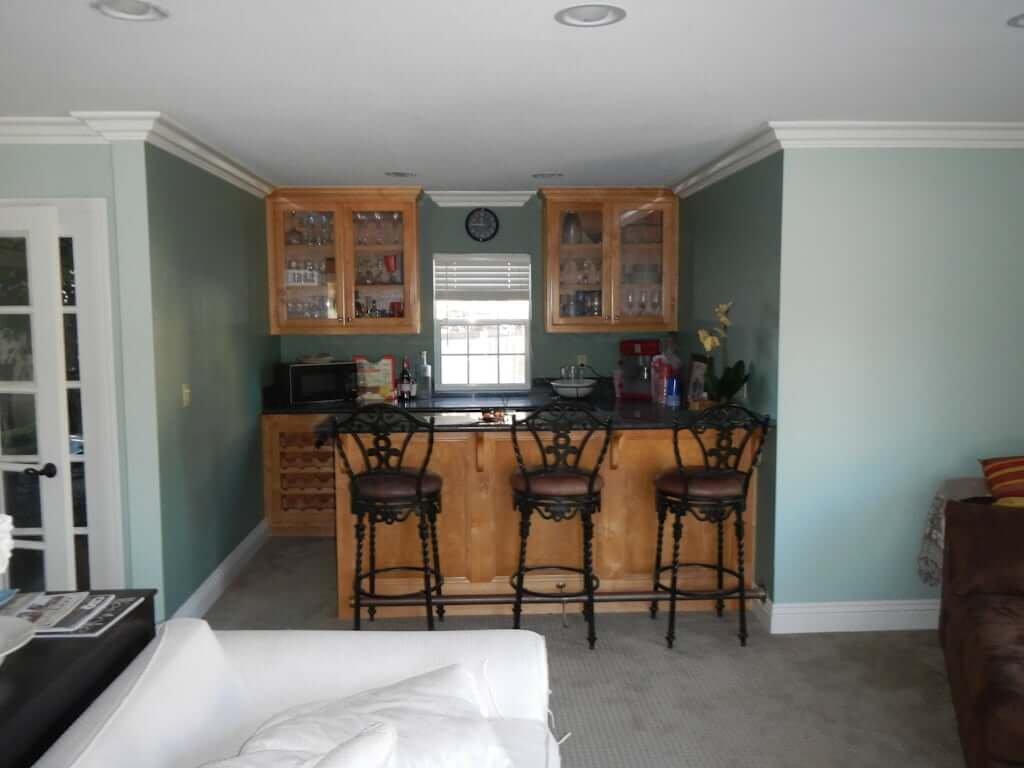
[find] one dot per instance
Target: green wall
(899, 360)
(210, 330)
(442, 230)
(730, 244)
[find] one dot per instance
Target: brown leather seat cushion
(993, 667)
(713, 484)
(556, 483)
(390, 486)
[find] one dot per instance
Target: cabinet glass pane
(310, 277)
(641, 293)
(580, 263)
(380, 264)
(13, 272)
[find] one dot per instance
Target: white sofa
(195, 695)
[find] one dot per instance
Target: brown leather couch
(982, 630)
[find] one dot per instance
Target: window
(482, 321)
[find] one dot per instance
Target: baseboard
(200, 601)
(762, 612)
(870, 616)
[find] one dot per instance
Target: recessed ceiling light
(548, 175)
(591, 15)
(130, 10)
(1016, 21)
(400, 174)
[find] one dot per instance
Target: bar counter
(478, 528)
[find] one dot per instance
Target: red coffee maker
(636, 355)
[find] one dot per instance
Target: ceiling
(480, 94)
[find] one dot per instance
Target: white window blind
(482, 321)
(477, 277)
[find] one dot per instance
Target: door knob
(47, 470)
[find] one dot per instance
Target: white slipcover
(195, 695)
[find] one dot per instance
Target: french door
(54, 293)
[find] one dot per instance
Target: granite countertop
(457, 413)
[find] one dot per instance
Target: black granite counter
(462, 412)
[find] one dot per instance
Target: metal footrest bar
(367, 598)
(715, 594)
(753, 593)
(556, 596)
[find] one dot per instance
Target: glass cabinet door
(379, 274)
(641, 278)
(580, 270)
(308, 267)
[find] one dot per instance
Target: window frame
(527, 325)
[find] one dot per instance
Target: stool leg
(372, 610)
(424, 542)
(741, 570)
(677, 535)
(438, 579)
(357, 586)
(524, 534)
(662, 509)
(588, 573)
(720, 603)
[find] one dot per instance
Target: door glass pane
(82, 561)
(580, 263)
(78, 494)
(641, 293)
(21, 500)
(75, 434)
(18, 424)
(67, 272)
(310, 276)
(380, 264)
(15, 348)
(13, 272)
(26, 568)
(71, 347)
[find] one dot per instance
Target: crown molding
(152, 127)
(775, 136)
(473, 199)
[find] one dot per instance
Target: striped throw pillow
(1005, 476)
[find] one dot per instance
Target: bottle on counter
(405, 382)
(425, 375)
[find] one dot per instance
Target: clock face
(482, 224)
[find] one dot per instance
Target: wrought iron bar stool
(559, 490)
(731, 439)
(385, 492)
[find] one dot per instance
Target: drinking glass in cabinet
(379, 264)
(309, 228)
(641, 248)
(581, 262)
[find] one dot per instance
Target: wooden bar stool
(385, 492)
(559, 490)
(731, 439)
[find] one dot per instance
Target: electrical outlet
(581, 359)
(186, 395)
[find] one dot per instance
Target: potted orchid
(725, 386)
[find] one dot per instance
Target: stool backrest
(551, 427)
(381, 434)
(724, 433)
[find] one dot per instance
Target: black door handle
(48, 470)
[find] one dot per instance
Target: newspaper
(56, 612)
(116, 609)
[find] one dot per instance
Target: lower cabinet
(298, 477)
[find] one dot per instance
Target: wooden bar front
(478, 527)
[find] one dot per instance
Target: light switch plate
(581, 359)
(186, 395)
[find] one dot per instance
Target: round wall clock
(482, 224)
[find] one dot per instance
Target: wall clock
(482, 224)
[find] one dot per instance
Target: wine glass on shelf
(643, 302)
(380, 228)
(630, 302)
(655, 301)
(396, 229)
(360, 228)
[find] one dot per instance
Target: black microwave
(306, 383)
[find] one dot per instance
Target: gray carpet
(866, 699)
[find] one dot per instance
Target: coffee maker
(636, 356)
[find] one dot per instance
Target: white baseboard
(762, 612)
(200, 601)
(870, 616)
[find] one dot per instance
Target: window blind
(476, 277)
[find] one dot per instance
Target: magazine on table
(115, 610)
(71, 614)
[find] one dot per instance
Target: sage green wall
(731, 240)
(209, 287)
(442, 230)
(900, 361)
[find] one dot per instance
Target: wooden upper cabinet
(343, 261)
(611, 259)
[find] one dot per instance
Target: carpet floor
(870, 700)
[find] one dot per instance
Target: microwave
(308, 383)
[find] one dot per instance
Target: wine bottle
(405, 382)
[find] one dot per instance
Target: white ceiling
(479, 94)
